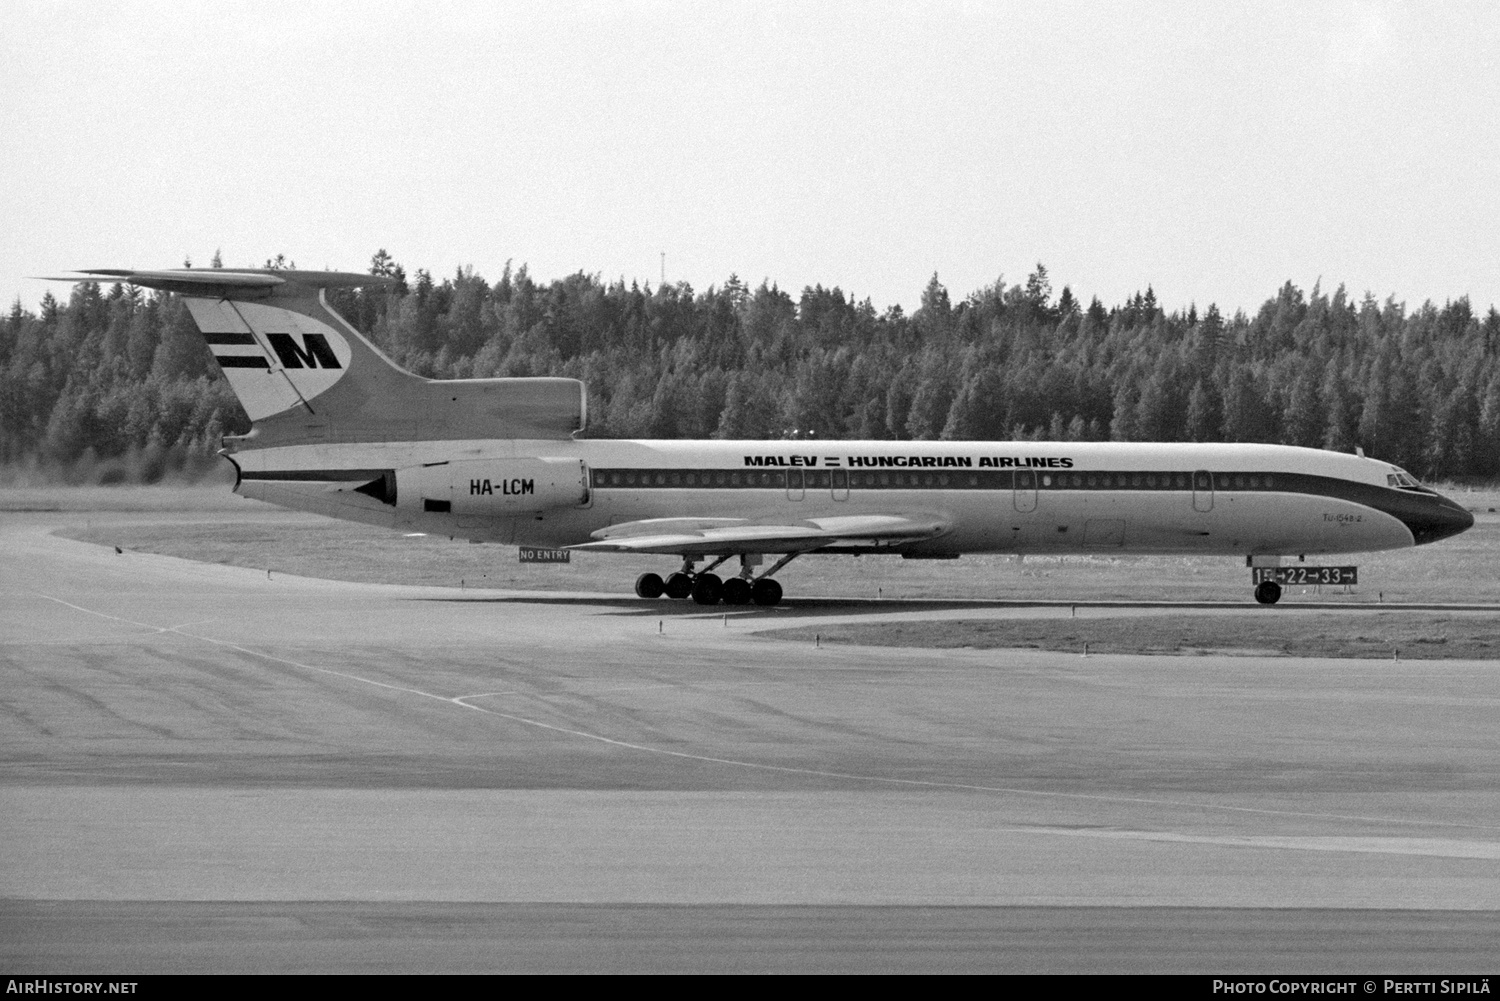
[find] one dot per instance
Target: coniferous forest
(116, 384)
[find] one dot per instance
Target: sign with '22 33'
(1293, 576)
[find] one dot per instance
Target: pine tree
(1066, 305)
(1304, 422)
(930, 405)
(1122, 425)
(1246, 415)
(1341, 423)
(1486, 451)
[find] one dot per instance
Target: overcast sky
(1213, 151)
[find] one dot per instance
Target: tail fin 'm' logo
(275, 359)
(313, 352)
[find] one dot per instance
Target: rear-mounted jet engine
(501, 488)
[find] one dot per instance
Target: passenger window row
(897, 479)
(1158, 481)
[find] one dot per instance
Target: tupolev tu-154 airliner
(340, 429)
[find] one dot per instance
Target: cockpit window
(1402, 480)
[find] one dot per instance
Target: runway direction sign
(1293, 576)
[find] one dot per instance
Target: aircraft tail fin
(304, 375)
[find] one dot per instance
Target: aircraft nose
(1440, 520)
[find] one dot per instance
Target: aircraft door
(795, 490)
(840, 484)
(1203, 491)
(1025, 493)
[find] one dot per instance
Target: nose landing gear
(1268, 592)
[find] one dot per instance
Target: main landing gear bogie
(707, 588)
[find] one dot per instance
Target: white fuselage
(1005, 497)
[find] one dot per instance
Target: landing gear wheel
(649, 585)
(736, 591)
(678, 585)
(765, 592)
(1268, 592)
(707, 589)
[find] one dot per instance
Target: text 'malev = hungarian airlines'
(340, 429)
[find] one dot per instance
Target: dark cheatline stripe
(315, 475)
(228, 338)
(1428, 516)
(241, 361)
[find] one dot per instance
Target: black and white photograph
(759, 487)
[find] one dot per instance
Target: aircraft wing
(721, 536)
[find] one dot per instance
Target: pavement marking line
(706, 686)
(183, 625)
(1428, 847)
(487, 695)
(102, 615)
(177, 630)
(782, 769)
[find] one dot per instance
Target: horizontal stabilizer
(255, 282)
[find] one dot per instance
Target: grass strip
(1257, 633)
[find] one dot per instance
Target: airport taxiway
(208, 767)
